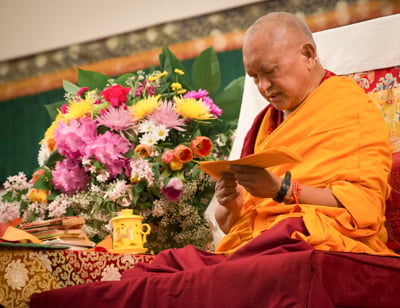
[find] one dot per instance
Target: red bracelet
(296, 192)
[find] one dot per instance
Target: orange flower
(184, 153)
(37, 174)
(144, 150)
(38, 195)
(201, 146)
(51, 144)
(176, 164)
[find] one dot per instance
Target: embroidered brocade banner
(26, 271)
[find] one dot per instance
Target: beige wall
(33, 26)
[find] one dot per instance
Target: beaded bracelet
(296, 193)
(284, 187)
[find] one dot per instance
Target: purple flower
(173, 190)
(69, 177)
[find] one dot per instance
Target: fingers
(226, 188)
(225, 199)
(248, 176)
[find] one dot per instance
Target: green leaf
(92, 80)
(54, 157)
(7, 197)
(169, 62)
(137, 189)
(52, 195)
(129, 154)
(69, 212)
(121, 79)
(53, 109)
(196, 172)
(230, 99)
(70, 87)
(42, 183)
(206, 71)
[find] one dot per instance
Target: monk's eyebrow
(266, 68)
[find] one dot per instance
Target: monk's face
(281, 71)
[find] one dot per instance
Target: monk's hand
(227, 189)
(259, 182)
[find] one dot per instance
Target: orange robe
(345, 146)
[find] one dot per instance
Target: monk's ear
(308, 50)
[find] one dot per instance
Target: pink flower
(166, 115)
(116, 95)
(173, 190)
(139, 90)
(196, 94)
(168, 156)
(214, 109)
(151, 90)
(69, 177)
(203, 96)
(81, 91)
(117, 119)
(109, 149)
(64, 108)
(9, 211)
(71, 138)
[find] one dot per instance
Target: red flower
(201, 146)
(184, 153)
(116, 95)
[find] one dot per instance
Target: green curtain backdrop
(23, 121)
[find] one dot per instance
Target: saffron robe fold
(345, 146)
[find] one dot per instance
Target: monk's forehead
(269, 36)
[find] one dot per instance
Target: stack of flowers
(130, 142)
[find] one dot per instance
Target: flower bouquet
(133, 142)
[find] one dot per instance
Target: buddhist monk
(340, 187)
(276, 219)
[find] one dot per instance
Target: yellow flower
(158, 76)
(144, 107)
(38, 195)
(49, 134)
(79, 109)
(153, 78)
(179, 72)
(190, 108)
(176, 86)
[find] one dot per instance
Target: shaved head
(280, 54)
(281, 28)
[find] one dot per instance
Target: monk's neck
(315, 83)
